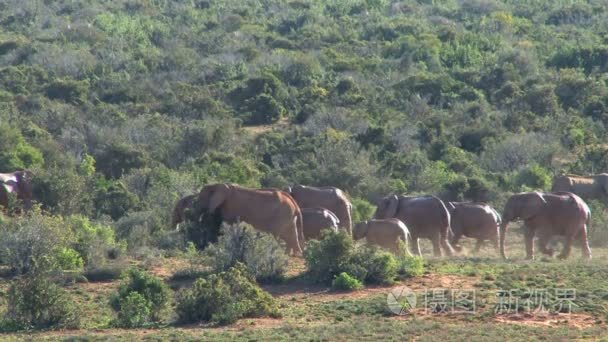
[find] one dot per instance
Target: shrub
(380, 266)
(150, 289)
(327, 257)
(61, 190)
(15, 152)
(336, 253)
(34, 238)
(345, 282)
(598, 234)
(225, 297)
(115, 200)
(410, 266)
(262, 255)
(134, 311)
(104, 273)
(362, 210)
(69, 259)
(535, 177)
(70, 91)
(35, 302)
(95, 242)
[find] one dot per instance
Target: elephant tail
(300, 228)
(299, 220)
(446, 221)
(446, 228)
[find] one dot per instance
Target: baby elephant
(474, 220)
(317, 219)
(385, 233)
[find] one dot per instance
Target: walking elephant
(317, 219)
(425, 216)
(587, 187)
(474, 220)
(179, 211)
(268, 210)
(546, 215)
(17, 182)
(330, 198)
(387, 233)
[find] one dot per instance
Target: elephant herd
(300, 213)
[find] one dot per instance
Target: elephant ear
(393, 205)
(220, 194)
(533, 203)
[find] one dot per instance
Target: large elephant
(425, 216)
(546, 215)
(330, 198)
(268, 210)
(386, 233)
(17, 182)
(587, 187)
(474, 220)
(317, 219)
(179, 211)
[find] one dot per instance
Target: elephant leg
(447, 246)
(436, 245)
(567, 247)
(529, 240)
(496, 243)
(290, 236)
(585, 244)
(543, 242)
(478, 245)
(454, 242)
(416, 245)
(455, 238)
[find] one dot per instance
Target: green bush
(410, 266)
(35, 302)
(534, 177)
(225, 297)
(15, 152)
(115, 200)
(261, 254)
(329, 256)
(70, 91)
(94, 241)
(598, 234)
(345, 282)
(380, 266)
(153, 293)
(362, 210)
(134, 311)
(69, 259)
(336, 253)
(34, 238)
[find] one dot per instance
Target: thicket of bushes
(337, 256)
(260, 253)
(225, 297)
(141, 299)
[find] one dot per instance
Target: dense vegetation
(121, 107)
